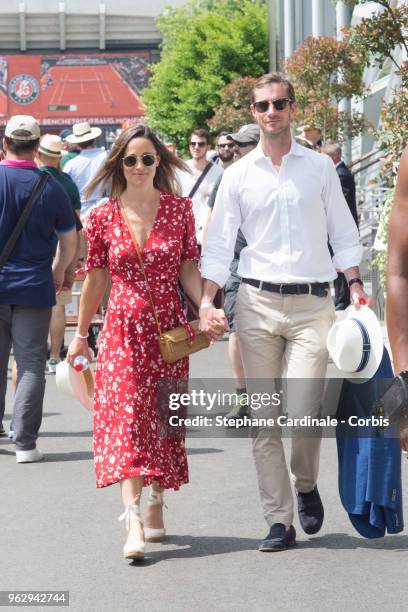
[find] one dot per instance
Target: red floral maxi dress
(129, 364)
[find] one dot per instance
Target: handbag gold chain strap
(132, 235)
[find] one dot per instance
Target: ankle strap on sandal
(156, 498)
(132, 512)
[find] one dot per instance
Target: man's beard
(226, 157)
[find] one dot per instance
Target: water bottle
(80, 363)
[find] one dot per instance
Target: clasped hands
(213, 323)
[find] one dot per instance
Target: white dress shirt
(286, 216)
(83, 169)
(200, 198)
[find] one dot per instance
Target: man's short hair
(202, 134)
(21, 146)
(269, 79)
(223, 134)
(331, 147)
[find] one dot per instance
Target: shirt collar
(339, 163)
(18, 163)
(295, 149)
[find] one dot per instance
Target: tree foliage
(206, 45)
(234, 110)
(377, 38)
(324, 71)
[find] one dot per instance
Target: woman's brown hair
(111, 174)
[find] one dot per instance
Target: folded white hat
(79, 385)
(355, 344)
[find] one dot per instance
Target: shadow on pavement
(75, 456)
(8, 415)
(342, 541)
(194, 547)
(65, 434)
(201, 451)
(200, 546)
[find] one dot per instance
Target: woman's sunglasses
(263, 105)
(148, 159)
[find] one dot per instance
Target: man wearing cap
(29, 278)
(83, 168)
(286, 199)
(49, 155)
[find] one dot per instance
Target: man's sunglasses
(148, 159)
(242, 145)
(263, 105)
(227, 145)
(195, 143)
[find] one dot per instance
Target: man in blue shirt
(29, 279)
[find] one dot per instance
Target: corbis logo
(24, 89)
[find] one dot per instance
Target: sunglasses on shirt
(227, 145)
(195, 143)
(148, 159)
(263, 105)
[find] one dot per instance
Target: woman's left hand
(214, 323)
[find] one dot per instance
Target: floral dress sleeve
(190, 251)
(97, 249)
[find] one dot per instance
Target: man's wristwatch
(355, 280)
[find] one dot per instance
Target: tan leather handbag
(175, 343)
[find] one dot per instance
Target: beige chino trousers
(284, 336)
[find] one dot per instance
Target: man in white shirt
(199, 145)
(287, 200)
(83, 168)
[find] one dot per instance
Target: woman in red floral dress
(127, 445)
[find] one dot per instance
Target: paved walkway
(59, 532)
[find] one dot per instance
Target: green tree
(206, 45)
(324, 71)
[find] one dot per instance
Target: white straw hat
(50, 145)
(82, 132)
(355, 343)
(79, 385)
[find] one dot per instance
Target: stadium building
(67, 61)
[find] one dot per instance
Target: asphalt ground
(60, 533)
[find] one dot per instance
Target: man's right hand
(213, 323)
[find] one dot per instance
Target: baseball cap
(247, 133)
(64, 133)
(22, 127)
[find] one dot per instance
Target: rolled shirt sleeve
(222, 232)
(342, 230)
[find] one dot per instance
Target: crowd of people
(265, 222)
